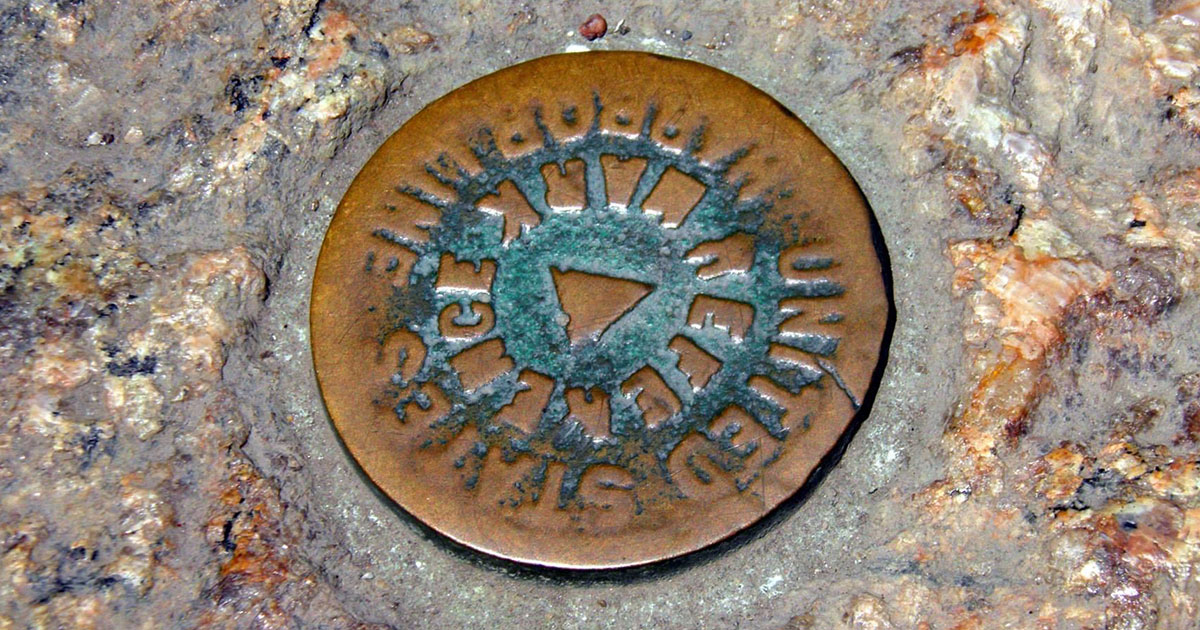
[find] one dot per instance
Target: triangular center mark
(593, 302)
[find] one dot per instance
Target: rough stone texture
(167, 171)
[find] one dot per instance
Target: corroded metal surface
(597, 310)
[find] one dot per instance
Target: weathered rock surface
(167, 171)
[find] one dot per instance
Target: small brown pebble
(594, 27)
(800, 622)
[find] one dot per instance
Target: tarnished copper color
(597, 310)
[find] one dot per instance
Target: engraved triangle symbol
(593, 302)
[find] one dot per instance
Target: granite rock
(167, 171)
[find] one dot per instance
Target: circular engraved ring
(597, 310)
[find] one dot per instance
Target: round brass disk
(597, 310)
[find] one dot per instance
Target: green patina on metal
(620, 242)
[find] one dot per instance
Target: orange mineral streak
(971, 33)
(1060, 472)
(1123, 547)
(1018, 304)
(334, 31)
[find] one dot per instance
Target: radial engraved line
(666, 363)
(423, 196)
(595, 184)
(655, 169)
(534, 189)
(648, 119)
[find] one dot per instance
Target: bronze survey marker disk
(597, 310)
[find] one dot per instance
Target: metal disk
(597, 310)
